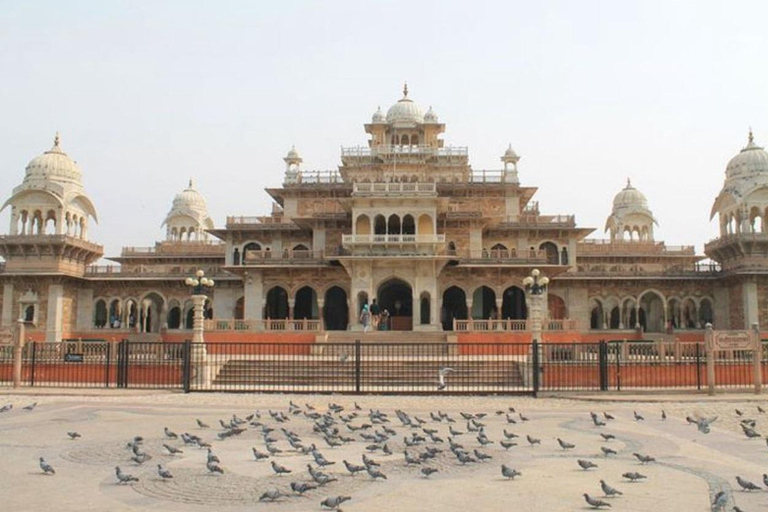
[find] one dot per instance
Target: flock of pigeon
(420, 440)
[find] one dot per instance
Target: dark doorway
(396, 296)
(513, 304)
(277, 304)
(335, 309)
(454, 307)
(306, 304)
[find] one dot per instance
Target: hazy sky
(148, 94)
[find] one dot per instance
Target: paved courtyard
(690, 466)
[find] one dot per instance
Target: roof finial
(56, 139)
(629, 183)
(191, 183)
(405, 89)
(751, 137)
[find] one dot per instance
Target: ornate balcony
(351, 240)
(395, 188)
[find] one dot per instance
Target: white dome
(405, 111)
(430, 116)
(292, 154)
(510, 154)
(630, 197)
(53, 165)
(190, 203)
(378, 116)
(750, 161)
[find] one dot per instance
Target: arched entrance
(396, 296)
(483, 304)
(306, 304)
(151, 313)
(513, 304)
(652, 312)
(335, 309)
(556, 307)
(277, 304)
(454, 307)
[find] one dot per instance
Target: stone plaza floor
(690, 466)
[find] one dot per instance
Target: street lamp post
(535, 287)
(199, 285)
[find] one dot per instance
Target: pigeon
(607, 451)
(164, 473)
(747, 485)
(30, 406)
(409, 459)
(750, 432)
(73, 435)
(508, 472)
(170, 434)
(607, 437)
(608, 490)
(592, 502)
(6, 408)
(214, 468)
(201, 424)
(586, 464)
(638, 417)
(428, 471)
(441, 374)
(369, 462)
(301, 487)
(644, 459)
(703, 424)
(663, 415)
(375, 473)
(523, 418)
(481, 456)
(719, 501)
(738, 412)
(335, 502)
(760, 410)
(507, 444)
(633, 476)
(141, 458)
(353, 468)
(47, 468)
(271, 495)
(564, 445)
(765, 479)
(172, 449)
(259, 455)
(608, 416)
(124, 478)
(278, 469)
(532, 440)
(212, 458)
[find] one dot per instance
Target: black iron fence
(381, 367)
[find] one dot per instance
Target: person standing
(365, 318)
(375, 315)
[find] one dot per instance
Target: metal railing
(372, 367)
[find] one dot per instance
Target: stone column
(7, 315)
(416, 301)
(199, 354)
(53, 327)
(321, 313)
(254, 299)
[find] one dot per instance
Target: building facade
(404, 220)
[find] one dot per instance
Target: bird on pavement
(271, 495)
(428, 471)
(638, 417)
(170, 434)
(586, 464)
(663, 415)
(633, 476)
(30, 406)
(747, 485)
(507, 444)
(124, 478)
(335, 502)
(608, 490)
(164, 473)
(565, 445)
(532, 440)
(301, 487)
(201, 424)
(73, 435)
(607, 451)
(508, 472)
(719, 501)
(353, 468)
(47, 468)
(608, 416)
(214, 468)
(595, 503)
(375, 473)
(278, 469)
(644, 459)
(172, 449)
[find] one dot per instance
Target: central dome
(188, 202)
(405, 111)
(53, 165)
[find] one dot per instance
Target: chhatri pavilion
(404, 220)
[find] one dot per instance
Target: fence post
(34, 357)
(186, 368)
(602, 356)
(536, 369)
(709, 341)
(18, 353)
(757, 357)
(107, 363)
(619, 350)
(358, 365)
(698, 366)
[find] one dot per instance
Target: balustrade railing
(473, 325)
(394, 187)
(393, 239)
(228, 324)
